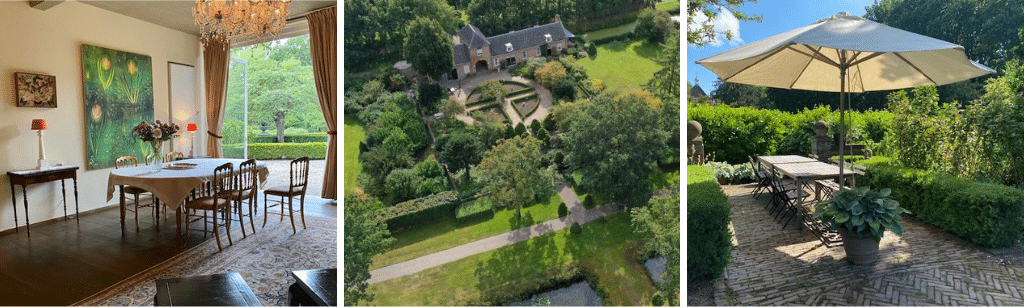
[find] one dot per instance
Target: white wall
(49, 42)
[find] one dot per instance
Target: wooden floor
(64, 262)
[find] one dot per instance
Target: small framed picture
(35, 90)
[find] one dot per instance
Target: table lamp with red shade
(192, 129)
(39, 125)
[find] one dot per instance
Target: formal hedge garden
(708, 213)
(275, 151)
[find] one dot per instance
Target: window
(479, 51)
(508, 47)
(524, 55)
(495, 62)
(465, 69)
(559, 47)
(547, 38)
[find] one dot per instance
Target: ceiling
(178, 14)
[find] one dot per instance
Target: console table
(314, 288)
(27, 177)
(209, 290)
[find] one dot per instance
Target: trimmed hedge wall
(480, 207)
(515, 82)
(291, 138)
(274, 151)
(987, 214)
(421, 210)
(708, 212)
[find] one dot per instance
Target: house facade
(472, 51)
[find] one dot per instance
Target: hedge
(480, 207)
(987, 214)
(421, 210)
(480, 102)
(515, 82)
(274, 151)
(605, 40)
(517, 92)
(708, 212)
(291, 138)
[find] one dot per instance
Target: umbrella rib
(822, 57)
(872, 56)
(752, 64)
(915, 68)
(810, 59)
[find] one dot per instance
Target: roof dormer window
(479, 51)
(547, 38)
(508, 47)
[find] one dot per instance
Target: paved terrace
(926, 266)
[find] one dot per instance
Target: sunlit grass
(354, 134)
(623, 65)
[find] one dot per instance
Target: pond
(577, 294)
(656, 268)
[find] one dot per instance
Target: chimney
(558, 18)
(455, 39)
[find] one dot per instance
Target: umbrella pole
(842, 124)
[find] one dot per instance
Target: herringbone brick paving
(926, 266)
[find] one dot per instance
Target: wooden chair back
(247, 176)
(222, 178)
(173, 156)
(126, 161)
(299, 174)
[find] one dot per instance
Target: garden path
(577, 214)
(926, 266)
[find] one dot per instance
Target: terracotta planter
(859, 251)
(723, 181)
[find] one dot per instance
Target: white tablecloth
(173, 186)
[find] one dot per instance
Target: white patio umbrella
(845, 54)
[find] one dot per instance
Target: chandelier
(227, 20)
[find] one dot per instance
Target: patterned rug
(264, 260)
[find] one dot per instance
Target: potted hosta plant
(861, 216)
(723, 171)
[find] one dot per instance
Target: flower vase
(155, 157)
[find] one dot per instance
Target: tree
(451, 107)
(379, 161)
(401, 185)
(741, 95)
(657, 225)
(665, 82)
(653, 25)
(565, 91)
(366, 235)
(550, 75)
(493, 89)
(428, 48)
(512, 173)
(459, 150)
(700, 31)
(614, 143)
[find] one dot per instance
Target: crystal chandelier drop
(227, 20)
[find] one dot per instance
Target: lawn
(623, 65)
(441, 235)
(354, 134)
(668, 6)
(609, 32)
(606, 249)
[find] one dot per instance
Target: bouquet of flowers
(158, 132)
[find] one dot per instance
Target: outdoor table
(171, 185)
(773, 160)
(805, 173)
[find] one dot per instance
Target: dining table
(805, 173)
(172, 183)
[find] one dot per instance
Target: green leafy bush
(421, 210)
(290, 138)
(588, 201)
(275, 151)
(575, 228)
(477, 208)
(990, 215)
(657, 299)
(562, 210)
(708, 212)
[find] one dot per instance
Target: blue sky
(779, 16)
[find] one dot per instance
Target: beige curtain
(215, 68)
(323, 45)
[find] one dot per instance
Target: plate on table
(179, 166)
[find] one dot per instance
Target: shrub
(276, 151)
(549, 122)
(429, 94)
(431, 186)
(575, 229)
(657, 299)
(401, 185)
(551, 74)
(429, 168)
(708, 212)
(421, 210)
(591, 48)
(520, 129)
(562, 210)
(588, 201)
(534, 126)
(990, 215)
(290, 138)
(559, 158)
(477, 208)
(735, 133)
(566, 90)
(571, 51)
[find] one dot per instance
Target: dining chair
(213, 202)
(130, 161)
(244, 189)
(298, 176)
(762, 178)
(173, 156)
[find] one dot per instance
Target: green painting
(118, 96)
